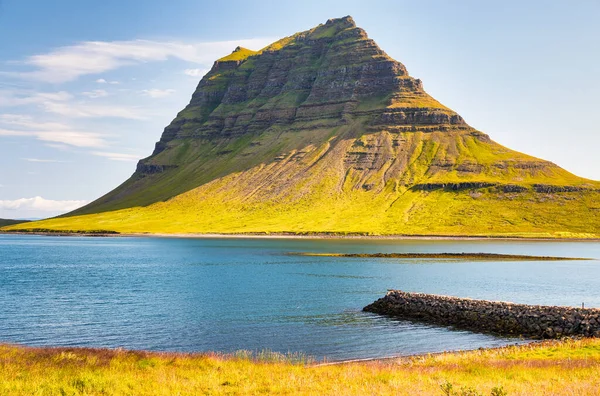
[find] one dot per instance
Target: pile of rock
(534, 321)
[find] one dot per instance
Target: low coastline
(288, 357)
(445, 256)
(308, 236)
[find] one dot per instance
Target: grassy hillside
(342, 186)
(552, 368)
(6, 222)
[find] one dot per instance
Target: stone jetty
(503, 318)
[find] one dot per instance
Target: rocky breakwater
(504, 318)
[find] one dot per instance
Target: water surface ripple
(229, 294)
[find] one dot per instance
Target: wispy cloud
(64, 104)
(93, 57)
(58, 146)
(24, 126)
(87, 110)
(11, 98)
(103, 81)
(41, 204)
(118, 156)
(195, 72)
(41, 160)
(96, 93)
(158, 93)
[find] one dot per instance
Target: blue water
(229, 294)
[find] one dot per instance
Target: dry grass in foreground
(550, 368)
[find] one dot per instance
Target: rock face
(534, 321)
(322, 75)
(323, 132)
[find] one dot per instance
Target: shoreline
(455, 352)
(315, 236)
(255, 355)
(443, 256)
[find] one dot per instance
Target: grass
(555, 367)
(240, 53)
(5, 222)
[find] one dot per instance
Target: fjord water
(229, 294)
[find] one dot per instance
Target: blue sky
(86, 88)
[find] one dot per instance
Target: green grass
(550, 368)
(5, 222)
(240, 53)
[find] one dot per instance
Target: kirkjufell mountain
(323, 132)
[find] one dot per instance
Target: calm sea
(196, 295)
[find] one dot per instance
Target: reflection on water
(232, 294)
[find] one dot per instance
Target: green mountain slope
(5, 222)
(323, 132)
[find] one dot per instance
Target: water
(231, 294)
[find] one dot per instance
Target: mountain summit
(322, 131)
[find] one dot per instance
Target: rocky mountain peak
(327, 75)
(346, 21)
(326, 119)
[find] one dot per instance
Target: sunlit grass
(418, 213)
(240, 53)
(557, 368)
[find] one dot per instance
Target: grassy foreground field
(551, 368)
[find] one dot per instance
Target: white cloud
(62, 103)
(118, 156)
(158, 93)
(40, 160)
(101, 81)
(84, 110)
(96, 93)
(114, 83)
(21, 98)
(57, 146)
(195, 72)
(24, 126)
(93, 57)
(73, 138)
(41, 204)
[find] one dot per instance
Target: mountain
(323, 132)
(6, 222)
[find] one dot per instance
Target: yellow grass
(552, 368)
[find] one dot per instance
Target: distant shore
(285, 235)
(442, 256)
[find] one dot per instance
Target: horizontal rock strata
(504, 318)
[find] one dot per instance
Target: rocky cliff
(323, 132)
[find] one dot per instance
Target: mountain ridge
(324, 123)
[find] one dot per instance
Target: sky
(86, 87)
